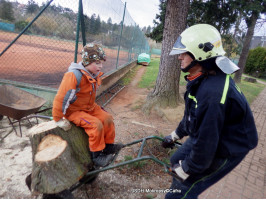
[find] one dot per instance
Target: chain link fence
(42, 54)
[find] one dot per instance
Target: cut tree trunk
(60, 158)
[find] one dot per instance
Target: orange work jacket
(73, 97)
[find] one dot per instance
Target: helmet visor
(178, 47)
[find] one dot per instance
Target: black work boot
(100, 159)
(113, 148)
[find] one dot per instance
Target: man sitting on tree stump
(75, 101)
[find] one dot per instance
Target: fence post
(117, 59)
(77, 32)
(26, 28)
(82, 24)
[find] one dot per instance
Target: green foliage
(248, 8)
(93, 24)
(222, 14)
(32, 7)
(45, 25)
(157, 32)
(218, 13)
(231, 47)
(256, 62)
(6, 11)
(20, 25)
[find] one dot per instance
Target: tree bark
(245, 50)
(166, 91)
(60, 158)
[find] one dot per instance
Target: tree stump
(60, 158)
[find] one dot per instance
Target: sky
(143, 11)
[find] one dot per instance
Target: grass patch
(130, 75)
(261, 79)
(149, 78)
(182, 81)
(250, 90)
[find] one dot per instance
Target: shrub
(20, 25)
(256, 62)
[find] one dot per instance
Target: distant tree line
(58, 21)
(226, 15)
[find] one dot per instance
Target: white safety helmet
(204, 41)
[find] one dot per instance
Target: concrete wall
(112, 77)
(49, 93)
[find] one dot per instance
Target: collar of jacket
(195, 81)
(90, 77)
(191, 78)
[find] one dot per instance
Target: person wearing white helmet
(217, 117)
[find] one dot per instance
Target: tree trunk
(166, 91)
(60, 158)
(229, 50)
(245, 50)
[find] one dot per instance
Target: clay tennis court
(43, 61)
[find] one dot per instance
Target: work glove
(64, 124)
(169, 141)
(179, 172)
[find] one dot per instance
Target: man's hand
(179, 172)
(169, 141)
(64, 124)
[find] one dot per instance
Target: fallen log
(251, 80)
(60, 158)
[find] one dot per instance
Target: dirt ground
(128, 182)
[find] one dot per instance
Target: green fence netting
(42, 54)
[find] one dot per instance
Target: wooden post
(60, 158)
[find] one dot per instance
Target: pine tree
(6, 11)
(32, 7)
(157, 33)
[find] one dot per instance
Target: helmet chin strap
(192, 64)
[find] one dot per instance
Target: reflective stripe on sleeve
(226, 87)
(194, 99)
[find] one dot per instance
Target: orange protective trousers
(98, 124)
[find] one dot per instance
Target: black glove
(168, 142)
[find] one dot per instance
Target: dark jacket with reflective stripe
(218, 119)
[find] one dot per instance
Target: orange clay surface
(42, 60)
